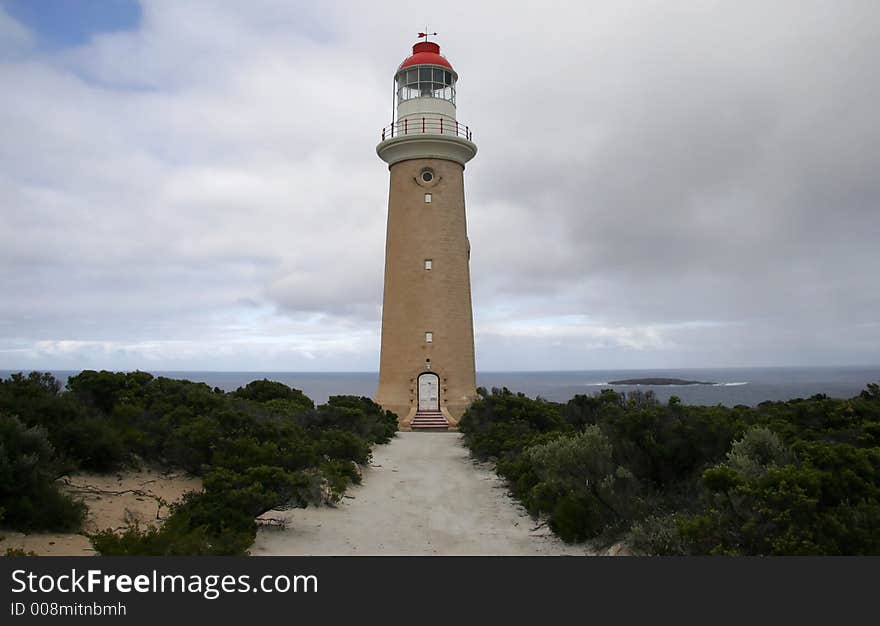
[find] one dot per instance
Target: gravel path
(422, 495)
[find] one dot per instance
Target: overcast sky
(194, 185)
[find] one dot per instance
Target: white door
(429, 392)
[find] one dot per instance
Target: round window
(427, 176)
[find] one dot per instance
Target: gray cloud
(658, 184)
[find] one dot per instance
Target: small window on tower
(429, 337)
(427, 176)
(427, 198)
(429, 264)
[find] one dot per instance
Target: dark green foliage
(29, 498)
(579, 484)
(192, 444)
(659, 535)
(28, 396)
(266, 390)
(342, 445)
(261, 447)
(339, 474)
(73, 429)
(279, 452)
(796, 477)
(822, 499)
(134, 541)
(503, 422)
(360, 416)
(104, 390)
(871, 392)
(93, 442)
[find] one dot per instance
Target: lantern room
(425, 83)
(425, 74)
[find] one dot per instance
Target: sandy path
(422, 495)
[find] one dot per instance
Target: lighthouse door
(429, 392)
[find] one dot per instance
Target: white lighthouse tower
(426, 371)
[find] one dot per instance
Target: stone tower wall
(418, 300)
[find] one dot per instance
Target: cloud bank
(659, 184)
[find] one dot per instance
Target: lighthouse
(426, 371)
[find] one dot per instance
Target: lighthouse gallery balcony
(426, 137)
(427, 126)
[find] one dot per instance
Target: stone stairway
(429, 420)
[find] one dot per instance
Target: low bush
(29, 498)
(261, 447)
(795, 477)
(358, 415)
(267, 390)
(579, 485)
(502, 423)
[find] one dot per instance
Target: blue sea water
(731, 386)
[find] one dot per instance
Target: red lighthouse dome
(425, 53)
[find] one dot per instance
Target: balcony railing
(426, 126)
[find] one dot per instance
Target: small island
(659, 381)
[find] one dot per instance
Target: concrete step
(429, 420)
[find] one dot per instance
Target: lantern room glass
(425, 81)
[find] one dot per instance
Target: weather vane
(426, 34)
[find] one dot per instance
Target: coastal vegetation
(260, 447)
(800, 477)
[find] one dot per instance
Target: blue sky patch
(65, 23)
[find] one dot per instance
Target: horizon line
(486, 371)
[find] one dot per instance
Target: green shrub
(191, 445)
(757, 451)
(338, 474)
(19, 552)
(765, 499)
(174, 540)
(503, 423)
(104, 390)
(358, 415)
(43, 508)
(795, 477)
(342, 445)
(29, 497)
(267, 390)
(576, 517)
(658, 535)
(94, 443)
(263, 446)
(580, 485)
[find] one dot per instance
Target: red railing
(426, 126)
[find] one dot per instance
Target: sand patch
(113, 500)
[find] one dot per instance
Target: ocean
(731, 386)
